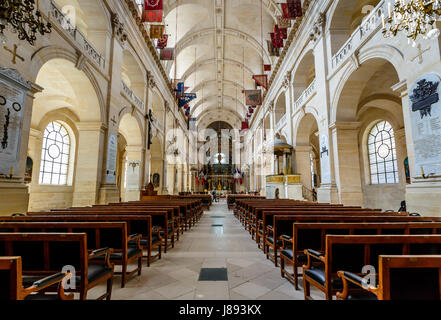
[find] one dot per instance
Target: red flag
(245, 125)
(267, 67)
(152, 16)
(285, 11)
(295, 8)
(262, 80)
(276, 41)
(162, 43)
(153, 5)
(167, 54)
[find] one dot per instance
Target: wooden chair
(12, 283)
(353, 252)
(99, 235)
(46, 254)
(403, 277)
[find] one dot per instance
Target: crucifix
(420, 54)
(14, 54)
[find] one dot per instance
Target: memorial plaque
(13, 89)
(133, 167)
(425, 113)
(112, 150)
(324, 159)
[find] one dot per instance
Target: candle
(422, 171)
(11, 171)
(389, 9)
(382, 20)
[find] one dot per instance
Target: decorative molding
(318, 28)
(118, 29)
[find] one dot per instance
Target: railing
(281, 123)
(132, 96)
(64, 23)
(306, 95)
(360, 35)
(309, 195)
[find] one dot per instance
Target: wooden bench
(231, 199)
(141, 224)
(312, 236)
(353, 252)
(12, 283)
(163, 221)
(45, 254)
(99, 235)
(401, 278)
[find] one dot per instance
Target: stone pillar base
(108, 193)
(14, 196)
(424, 198)
(327, 193)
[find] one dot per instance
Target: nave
(218, 241)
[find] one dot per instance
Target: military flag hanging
(185, 99)
(188, 112)
(153, 5)
(295, 8)
(156, 31)
(273, 51)
(245, 125)
(262, 80)
(167, 54)
(276, 40)
(152, 16)
(162, 42)
(180, 89)
(282, 33)
(283, 23)
(267, 67)
(192, 124)
(253, 97)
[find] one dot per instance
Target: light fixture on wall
(22, 17)
(413, 17)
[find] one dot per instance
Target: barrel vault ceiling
(218, 49)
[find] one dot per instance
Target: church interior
(220, 150)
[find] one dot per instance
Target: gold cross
(420, 54)
(14, 54)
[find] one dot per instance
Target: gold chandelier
(19, 17)
(413, 17)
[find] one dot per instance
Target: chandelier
(19, 17)
(413, 17)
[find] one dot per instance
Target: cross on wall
(14, 53)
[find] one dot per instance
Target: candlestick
(422, 171)
(11, 171)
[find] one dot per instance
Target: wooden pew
(263, 226)
(99, 235)
(12, 283)
(141, 224)
(312, 236)
(353, 252)
(406, 277)
(231, 199)
(161, 220)
(47, 253)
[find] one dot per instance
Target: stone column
(303, 159)
(88, 169)
(347, 162)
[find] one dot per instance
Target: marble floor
(250, 275)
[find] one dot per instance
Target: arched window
(382, 154)
(55, 155)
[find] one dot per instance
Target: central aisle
(217, 241)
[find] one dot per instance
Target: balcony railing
(360, 35)
(281, 123)
(85, 46)
(131, 96)
(305, 96)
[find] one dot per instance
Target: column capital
(91, 126)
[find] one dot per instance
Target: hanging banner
(267, 67)
(152, 16)
(253, 97)
(186, 98)
(180, 89)
(153, 5)
(156, 31)
(167, 54)
(262, 80)
(245, 125)
(285, 11)
(283, 23)
(295, 8)
(274, 52)
(162, 43)
(276, 41)
(192, 124)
